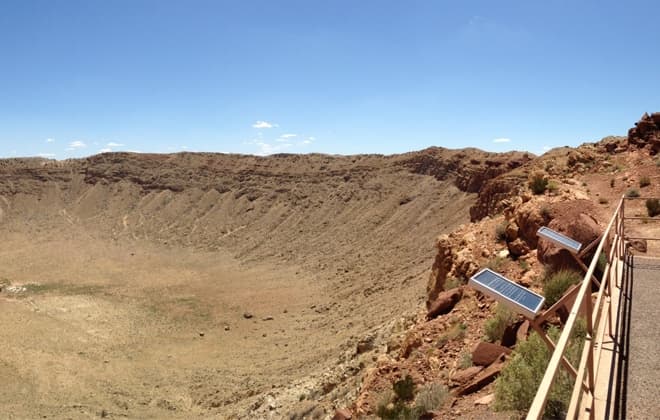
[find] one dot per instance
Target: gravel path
(643, 396)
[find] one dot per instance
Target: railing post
(590, 337)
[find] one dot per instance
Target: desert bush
(545, 212)
(456, 332)
(500, 232)
(612, 183)
(538, 182)
(603, 200)
(632, 193)
(553, 187)
(653, 207)
(404, 389)
(393, 405)
(519, 380)
(465, 360)
(495, 263)
(431, 397)
(602, 262)
(495, 326)
(644, 181)
(557, 283)
(524, 265)
(453, 282)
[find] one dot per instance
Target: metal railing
(598, 316)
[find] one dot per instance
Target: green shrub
(545, 212)
(404, 389)
(456, 332)
(557, 283)
(538, 183)
(494, 327)
(632, 193)
(465, 360)
(644, 181)
(553, 187)
(602, 262)
(431, 397)
(495, 263)
(653, 207)
(452, 283)
(394, 405)
(500, 232)
(517, 385)
(524, 265)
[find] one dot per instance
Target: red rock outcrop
(445, 302)
(575, 221)
(646, 133)
(485, 353)
(470, 168)
(494, 196)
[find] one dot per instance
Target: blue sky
(79, 77)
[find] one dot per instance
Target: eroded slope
(182, 247)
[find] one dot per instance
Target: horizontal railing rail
(598, 318)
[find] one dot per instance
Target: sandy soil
(147, 331)
(127, 281)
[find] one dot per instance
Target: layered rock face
(470, 168)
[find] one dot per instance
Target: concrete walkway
(642, 389)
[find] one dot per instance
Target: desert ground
(200, 285)
(208, 285)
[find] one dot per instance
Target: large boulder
(445, 302)
(462, 376)
(482, 379)
(530, 217)
(517, 248)
(343, 414)
(485, 353)
(581, 227)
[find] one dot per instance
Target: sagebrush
(557, 283)
(494, 328)
(517, 384)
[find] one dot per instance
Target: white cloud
(105, 150)
(113, 144)
(264, 124)
(286, 137)
(546, 148)
(74, 145)
(269, 149)
(501, 140)
(305, 142)
(46, 155)
(49, 140)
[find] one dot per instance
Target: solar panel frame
(560, 239)
(515, 304)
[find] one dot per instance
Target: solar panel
(516, 297)
(559, 239)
